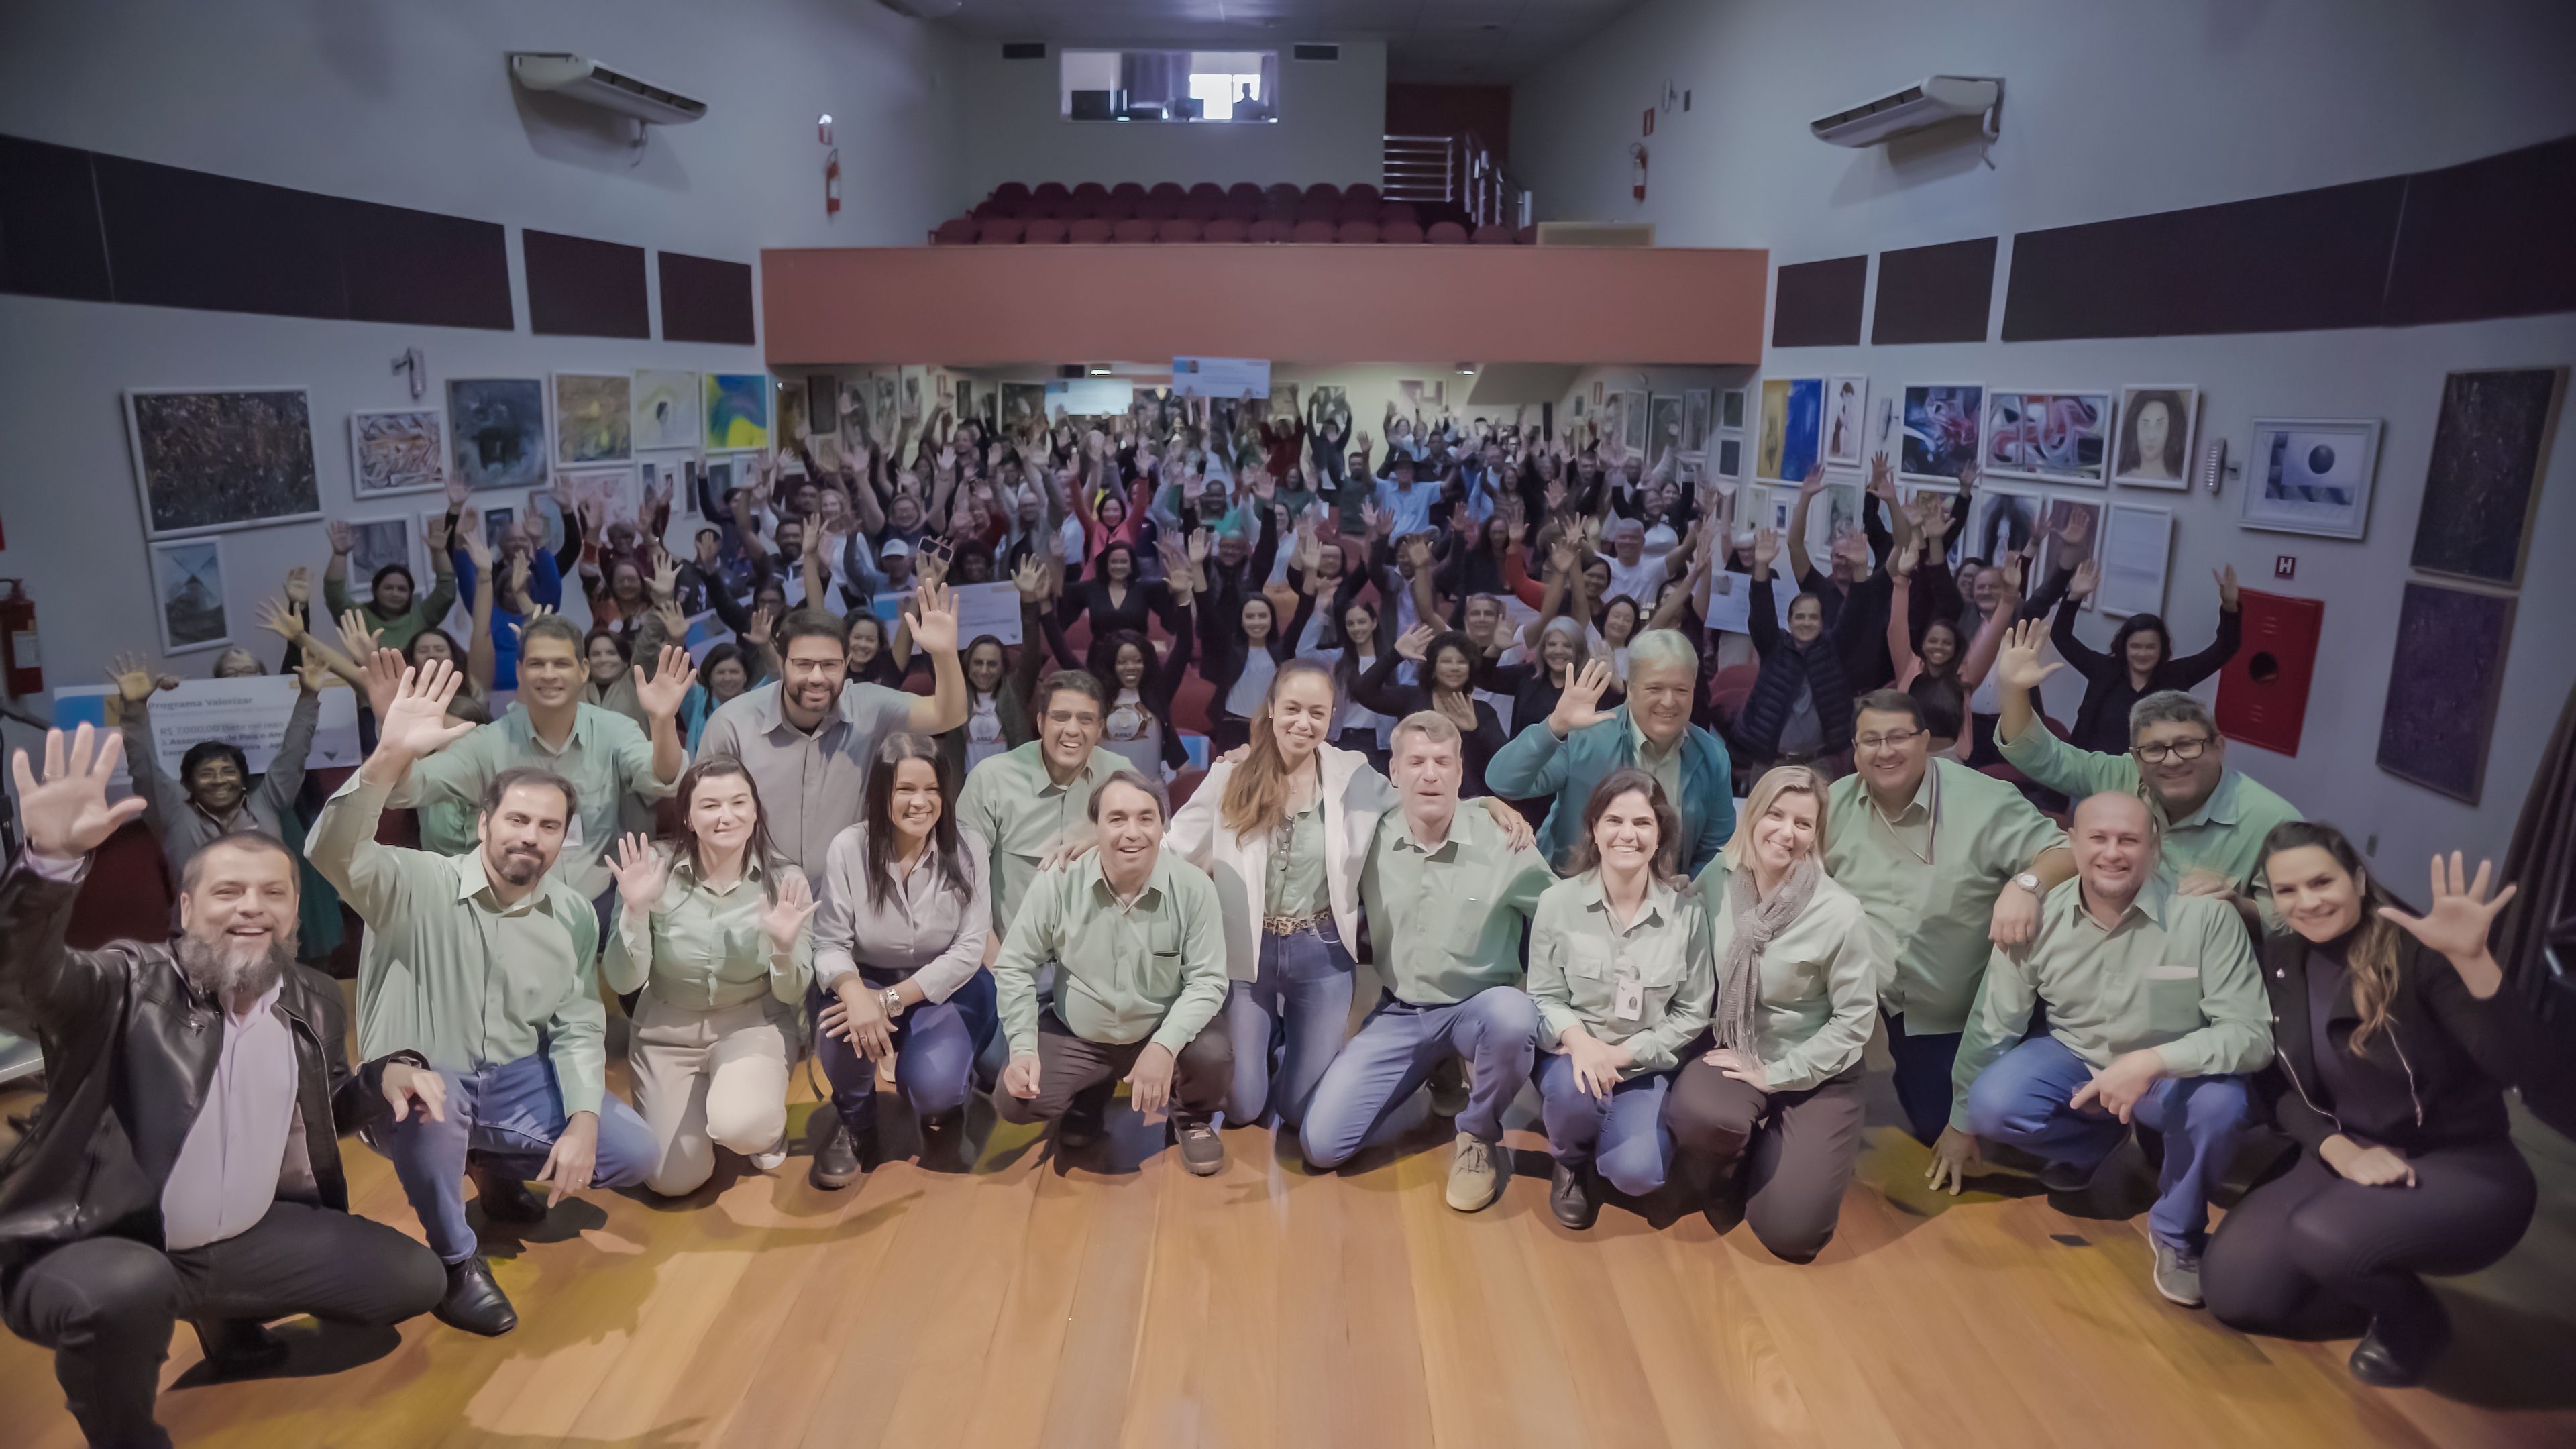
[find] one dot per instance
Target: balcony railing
(1460, 171)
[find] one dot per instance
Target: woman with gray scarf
(1773, 1094)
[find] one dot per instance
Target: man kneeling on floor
(186, 1163)
(1139, 947)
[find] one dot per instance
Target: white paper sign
(1730, 602)
(250, 715)
(1235, 377)
(981, 609)
(2137, 543)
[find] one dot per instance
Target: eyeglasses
(1892, 740)
(2185, 750)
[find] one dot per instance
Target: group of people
(985, 883)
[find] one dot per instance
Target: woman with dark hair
(998, 692)
(1139, 686)
(610, 683)
(2393, 1043)
(1446, 660)
(711, 929)
(1801, 706)
(1363, 644)
(899, 952)
(1940, 673)
(722, 675)
(2139, 662)
(871, 657)
(1116, 596)
(1620, 971)
(1242, 655)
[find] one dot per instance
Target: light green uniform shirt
(1296, 875)
(452, 974)
(2177, 974)
(2224, 835)
(703, 949)
(1125, 971)
(605, 757)
(1446, 923)
(1929, 877)
(1585, 968)
(1820, 980)
(1012, 802)
(1664, 764)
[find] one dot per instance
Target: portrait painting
(2000, 521)
(2157, 425)
(594, 417)
(1846, 413)
(397, 450)
(1633, 420)
(188, 583)
(2310, 475)
(1941, 422)
(666, 410)
(737, 411)
(613, 489)
(2484, 481)
(496, 428)
(209, 462)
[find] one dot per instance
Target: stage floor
(1129, 1303)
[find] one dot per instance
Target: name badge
(1630, 1003)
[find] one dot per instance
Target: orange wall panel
(979, 305)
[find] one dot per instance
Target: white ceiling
(1490, 42)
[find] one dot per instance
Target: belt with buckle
(1295, 925)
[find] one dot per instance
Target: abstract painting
(2311, 475)
(613, 489)
(1846, 408)
(594, 417)
(1695, 420)
(1793, 411)
(2442, 688)
(2064, 437)
(2056, 554)
(2484, 480)
(376, 542)
(2000, 522)
(1663, 428)
(737, 411)
(209, 462)
(1941, 424)
(2156, 428)
(1022, 403)
(666, 409)
(188, 583)
(397, 450)
(497, 523)
(496, 428)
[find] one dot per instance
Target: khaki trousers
(709, 1079)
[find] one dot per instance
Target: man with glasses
(1951, 863)
(2213, 819)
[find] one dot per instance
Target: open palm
(66, 814)
(415, 724)
(2019, 664)
(2461, 916)
(1580, 705)
(784, 917)
(661, 695)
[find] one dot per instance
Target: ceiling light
(1099, 369)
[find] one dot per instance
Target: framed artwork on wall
(1790, 441)
(613, 489)
(1941, 423)
(1633, 420)
(397, 450)
(377, 542)
(496, 429)
(2484, 480)
(794, 425)
(1730, 459)
(2442, 688)
(1846, 422)
(1730, 410)
(188, 587)
(2058, 437)
(2157, 431)
(2070, 533)
(211, 461)
(737, 411)
(2000, 521)
(594, 417)
(2135, 552)
(666, 410)
(1695, 420)
(1664, 428)
(2310, 475)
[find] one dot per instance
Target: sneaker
(1202, 1151)
(474, 1300)
(1571, 1197)
(2178, 1274)
(1080, 1126)
(837, 1162)
(773, 1159)
(1477, 1171)
(504, 1198)
(1448, 1086)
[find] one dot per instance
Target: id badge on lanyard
(1629, 1001)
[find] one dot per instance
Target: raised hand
(784, 918)
(661, 695)
(936, 627)
(2077, 525)
(280, 620)
(344, 540)
(2461, 917)
(666, 573)
(641, 872)
(1882, 477)
(1580, 705)
(356, 639)
(1814, 482)
(762, 619)
(2019, 664)
(478, 548)
(433, 533)
(674, 623)
(299, 585)
(2227, 588)
(1413, 643)
(1198, 546)
(415, 724)
(2088, 577)
(1901, 562)
(133, 680)
(383, 669)
(66, 814)
(1766, 546)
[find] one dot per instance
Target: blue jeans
(507, 1114)
(1623, 1138)
(1496, 1029)
(2022, 1099)
(935, 1044)
(1298, 1008)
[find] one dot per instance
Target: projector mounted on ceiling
(588, 81)
(1939, 98)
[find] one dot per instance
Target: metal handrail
(1458, 170)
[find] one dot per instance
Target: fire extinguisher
(832, 183)
(18, 642)
(1637, 153)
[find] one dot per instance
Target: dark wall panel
(1817, 304)
(705, 300)
(583, 288)
(421, 267)
(2493, 238)
(2289, 263)
(1941, 293)
(50, 243)
(180, 238)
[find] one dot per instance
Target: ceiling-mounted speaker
(1315, 52)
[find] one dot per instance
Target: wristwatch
(2028, 881)
(892, 1003)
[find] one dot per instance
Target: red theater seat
(1202, 209)
(1128, 191)
(1311, 210)
(1492, 236)
(1167, 191)
(1266, 230)
(1176, 230)
(1242, 210)
(1190, 703)
(128, 893)
(1527, 236)
(1224, 229)
(1088, 229)
(1326, 192)
(1446, 233)
(1158, 208)
(1011, 191)
(1051, 193)
(1398, 211)
(1286, 192)
(1311, 231)
(954, 232)
(1353, 208)
(1356, 231)
(1090, 191)
(1184, 785)
(988, 209)
(1132, 230)
(1207, 191)
(1360, 192)
(1045, 229)
(1000, 231)
(1244, 191)
(1116, 208)
(1399, 231)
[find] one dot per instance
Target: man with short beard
(477, 962)
(186, 1162)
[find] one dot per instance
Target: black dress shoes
(474, 1300)
(239, 1348)
(837, 1163)
(1572, 1198)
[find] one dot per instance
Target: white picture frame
(605, 434)
(2311, 475)
(2172, 466)
(2135, 554)
(175, 503)
(1846, 427)
(369, 552)
(385, 451)
(1731, 405)
(2004, 449)
(1634, 404)
(666, 411)
(1985, 536)
(188, 594)
(1924, 448)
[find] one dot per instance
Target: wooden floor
(1131, 1304)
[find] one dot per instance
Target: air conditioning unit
(588, 81)
(1938, 98)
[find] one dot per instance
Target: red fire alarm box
(2263, 693)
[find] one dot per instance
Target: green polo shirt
(1978, 833)
(1126, 971)
(1445, 923)
(1582, 962)
(605, 757)
(2224, 835)
(704, 949)
(1816, 1004)
(2176, 973)
(1021, 811)
(450, 972)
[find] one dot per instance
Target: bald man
(2156, 1016)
